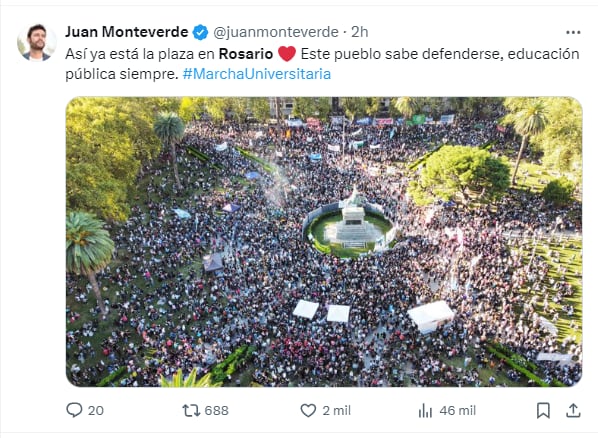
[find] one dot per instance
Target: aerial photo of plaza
(324, 241)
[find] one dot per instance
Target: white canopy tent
(429, 316)
(546, 324)
(306, 309)
(563, 359)
(221, 147)
(338, 313)
(212, 262)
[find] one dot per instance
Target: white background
(34, 389)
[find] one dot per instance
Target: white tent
(429, 316)
(549, 326)
(221, 147)
(306, 309)
(231, 208)
(564, 359)
(338, 313)
(212, 262)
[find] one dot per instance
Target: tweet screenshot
(256, 219)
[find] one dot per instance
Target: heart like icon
(287, 53)
(308, 409)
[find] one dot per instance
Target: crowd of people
(169, 314)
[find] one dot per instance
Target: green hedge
(522, 361)
(231, 364)
(198, 154)
(112, 377)
(265, 164)
(520, 364)
(204, 158)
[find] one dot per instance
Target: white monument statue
(354, 227)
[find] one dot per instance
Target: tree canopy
(318, 107)
(170, 129)
(528, 117)
(561, 140)
(461, 173)
(88, 248)
(107, 142)
(559, 191)
(407, 106)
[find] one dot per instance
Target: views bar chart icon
(423, 413)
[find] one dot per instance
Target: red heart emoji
(286, 53)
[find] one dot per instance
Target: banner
(182, 214)
(385, 121)
(334, 147)
(294, 123)
(336, 120)
(447, 119)
(375, 146)
(418, 119)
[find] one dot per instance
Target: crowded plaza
(221, 262)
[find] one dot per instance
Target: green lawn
(485, 371)
(318, 230)
(569, 252)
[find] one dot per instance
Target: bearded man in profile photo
(36, 37)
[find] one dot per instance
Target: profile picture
(36, 43)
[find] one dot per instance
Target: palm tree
(189, 381)
(88, 249)
(407, 106)
(528, 121)
(170, 130)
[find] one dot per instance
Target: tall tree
(260, 108)
(88, 249)
(407, 106)
(559, 191)
(191, 107)
(239, 106)
(372, 106)
(323, 108)
(107, 142)
(170, 130)
(461, 173)
(561, 141)
(528, 120)
(304, 107)
(354, 106)
(217, 107)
